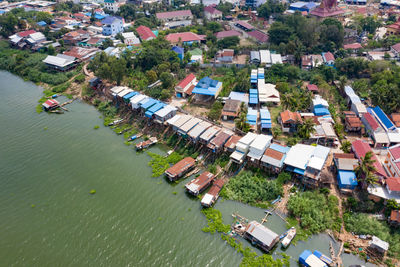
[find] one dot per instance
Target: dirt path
(281, 206)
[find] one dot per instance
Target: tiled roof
(371, 121)
(396, 119)
(396, 47)
(212, 10)
(312, 87)
(354, 122)
(395, 216)
(259, 36)
(244, 24)
(395, 151)
(274, 154)
(352, 46)
(329, 56)
(25, 33)
(288, 116)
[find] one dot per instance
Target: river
(48, 165)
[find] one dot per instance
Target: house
(265, 119)
(180, 51)
(196, 55)
(50, 104)
(196, 131)
(255, 57)
(379, 55)
(352, 122)
(313, 175)
(74, 37)
(209, 134)
(394, 218)
(112, 25)
(360, 148)
(276, 59)
(224, 34)
(36, 38)
(165, 114)
(216, 144)
(242, 148)
(230, 145)
(261, 236)
(392, 161)
(308, 259)
(274, 157)
(267, 92)
(395, 49)
(265, 58)
(179, 169)
(317, 60)
(258, 147)
(130, 39)
(212, 13)
(393, 29)
(231, 109)
(251, 118)
(212, 195)
(185, 128)
(174, 19)
(289, 121)
(371, 124)
(186, 86)
(345, 165)
(207, 87)
(353, 48)
(199, 184)
(187, 38)
(378, 245)
(354, 101)
(145, 33)
(258, 36)
(324, 134)
(313, 88)
(225, 56)
(329, 58)
(80, 53)
(320, 106)
(383, 119)
(112, 5)
(60, 62)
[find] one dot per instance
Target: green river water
(48, 165)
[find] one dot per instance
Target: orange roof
(181, 167)
(396, 119)
(274, 154)
(395, 216)
(290, 117)
(232, 141)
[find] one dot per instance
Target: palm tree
(365, 171)
(241, 123)
(306, 129)
(346, 145)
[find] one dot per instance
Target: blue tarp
(321, 111)
(383, 118)
(41, 23)
(299, 171)
(347, 179)
(149, 113)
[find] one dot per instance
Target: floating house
(261, 236)
(274, 157)
(212, 195)
(199, 184)
(242, 148)
(165, 114)
(200, 128)
(50, 104)
(179, 169)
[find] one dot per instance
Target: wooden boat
(146, 144)
(134, 137)
(291, 233)
(115, 122)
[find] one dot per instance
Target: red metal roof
(396, 47)
(212, 10)
(360, 148)
(393, 184)
(186, 81)
(329, 56)
(259, 36)
(371, 121)
(173, 14)
(181, 167)
(395, 151)
(245, 24)
(312, 87)
(25, 33)
(217, 186)
(225, 34)
(184, 37)
(145, 33)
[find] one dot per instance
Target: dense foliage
(160, 164)
(316, 212)
(251, 188)
(361, 223)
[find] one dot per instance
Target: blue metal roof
(383, 118)
(264, 114)
(253, 91)
(178, 50)
(130, 95)
(110, 19)
(282, 149)
(253, 100)
(156, 108)
(207, 86)
(150, 102)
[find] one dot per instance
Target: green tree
(366, 170)
(276, 131)
(167, 80)
(215, 111)
(346, 146)
(151, 76)
(51, 50)
(107, 43)
(306, 129)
